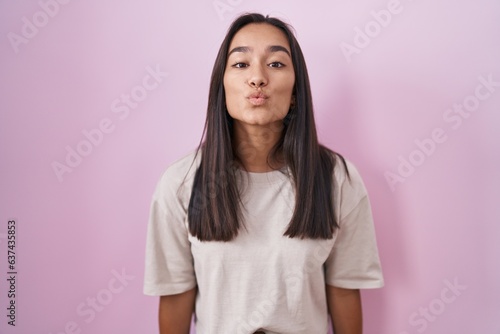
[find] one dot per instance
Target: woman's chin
(259, 121)
(259, 117)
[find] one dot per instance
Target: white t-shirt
(260, 280)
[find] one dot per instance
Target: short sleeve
(169, 263)
(354, 261)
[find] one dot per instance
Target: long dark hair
(214, 211)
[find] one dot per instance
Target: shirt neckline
(273, 176)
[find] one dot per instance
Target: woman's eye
(276, 64)
(240, 65)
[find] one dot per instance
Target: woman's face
(259, 76)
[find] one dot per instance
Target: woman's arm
(345, 309)
(176, 312)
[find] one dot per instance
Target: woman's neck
(253, 143)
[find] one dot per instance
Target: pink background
(75, 234)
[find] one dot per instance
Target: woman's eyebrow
(277, 48)
(271, 48)
(240, 49)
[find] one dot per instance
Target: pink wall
(385, 100)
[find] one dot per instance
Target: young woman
(262, 229)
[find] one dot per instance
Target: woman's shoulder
(179, 173)
(346, 171)
(350, 187)
(184, 166)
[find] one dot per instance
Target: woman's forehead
(262, 35)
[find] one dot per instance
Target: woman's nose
(257, 77)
